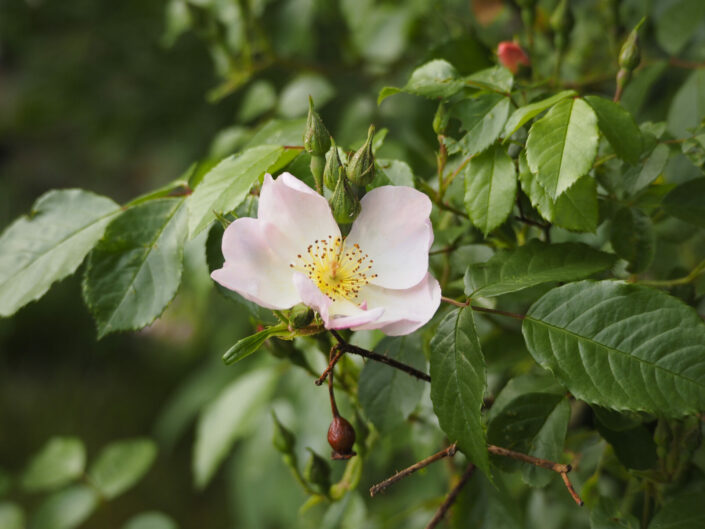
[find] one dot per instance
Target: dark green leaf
(490, 188)
(458, 384)
(619, 127)
(49, 243)
(681, 512)
(230, 416)
(634, 447)
(621, 346)
(522, 115)
(226, 185)
(65, 509)
(60, 461)
(687, 202)
(688, 106)
(562, 145)
(388, 395)
(533, 264)
(135, 270)
(435, 79)
(483, 118)
(607, 515)
(676, 24)
(121, 464)
(633, 238)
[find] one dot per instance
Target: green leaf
(388, 395)
(279, 132)
(533, 264)
(65, 509)
(619, 127)
(49, 243)
(121, 464)
(483, 118)
(261, 97)
(677, 23)
(548, 444)
(634, 447)
(458, 384)
(435, 79)
(497, 78)
(293, 101)
(135, 270)
(681, 512)
(640, 85)
(251, 344)
(392, 172)
(490, 188)
(607, 515)
(60, 461)
(687, 202)
(621, 346)
(226, 185)
(562, 145)
(229, 417)
(11, 516)
(633, 238)
(150, 520)
(637, 178)
(688, 106)
(576, 209)
(522, 115)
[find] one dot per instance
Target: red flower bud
(511, 56)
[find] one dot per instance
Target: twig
(571, 490)
(454, 302)
(450, 499)
(320, 380)
(349, 348)
(379, 487)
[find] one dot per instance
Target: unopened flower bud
(300, 316)
(440, 120)
(317, 472)
(630, 54)
(316, 136)
(341, 437)
(511, 55)
(283, 439)
(344, 202)
(361, 169)
(333, 167)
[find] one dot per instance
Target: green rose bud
(361, 169)
(316, 136)
(317, 473)
(333, 167)
(440, 120)
(344, 202)
(630, 54)
(300, 316)
(283, 439)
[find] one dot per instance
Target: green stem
(699, 269)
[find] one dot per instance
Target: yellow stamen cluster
(339, 271)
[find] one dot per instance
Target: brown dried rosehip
(341, 436)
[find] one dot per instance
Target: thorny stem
(536, 461)
(379, 487)
(450, 499)
(349, 348)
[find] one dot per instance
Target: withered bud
(341, 437)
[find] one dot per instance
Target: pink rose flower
(293, 252)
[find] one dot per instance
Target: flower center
(337, 270)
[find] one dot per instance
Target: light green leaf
(576, 209)
(562, 145)
(394, 172)
(11, 516)
(279, 132)
(260, 97)
(251, 344)
(522, 115)
(497, 78)
(621, 346)
(533, 264)
(229, 417)
(677, 23)
(688, 106)
(490, 188)
(65, 509)
(619, 127)
(121, 464)
(458, 384)
(483, 118)
(687, 202)
(388, 395)
(227, 184)
(150, 520)
(435, 79)
(135, 270)
(633, 238)
(49, 243)
(637, 178)
(682, 512)
(60, 461)
(293, 101)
